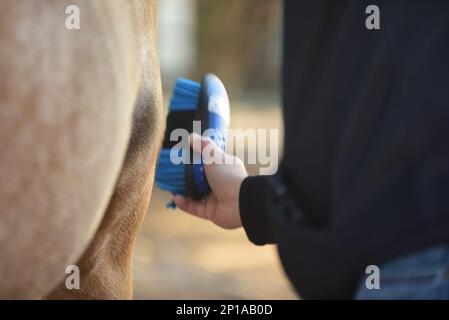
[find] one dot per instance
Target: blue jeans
(423, 275)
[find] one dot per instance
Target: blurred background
(179, 256)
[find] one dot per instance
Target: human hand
(221, 206)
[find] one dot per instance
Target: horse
(81, 124)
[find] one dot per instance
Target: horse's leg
(106, 265)
(67, 100)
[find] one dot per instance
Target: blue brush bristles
(208, 103)
(171, 177)
(185, 95)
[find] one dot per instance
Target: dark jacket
(365, 173)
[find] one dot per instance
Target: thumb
(198, 142)
(207, 148)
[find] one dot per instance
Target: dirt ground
(179, 256)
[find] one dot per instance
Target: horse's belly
(67, 101)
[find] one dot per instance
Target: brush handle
(214, 113)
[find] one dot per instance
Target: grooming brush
(191, 101)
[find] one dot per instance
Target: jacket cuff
(254, 210)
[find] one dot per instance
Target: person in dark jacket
(364, 179)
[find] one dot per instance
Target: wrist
(236, 203)
(236, 199)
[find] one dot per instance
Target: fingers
(185, 204)
(196, 208)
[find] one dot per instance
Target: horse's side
(80, 127)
